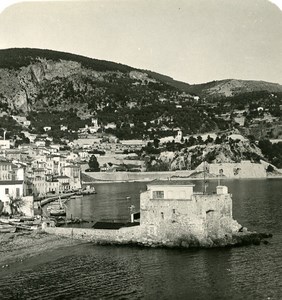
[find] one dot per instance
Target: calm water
(99, 272)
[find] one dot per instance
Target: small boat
(57, 212)
(57, 208)
(76, 196)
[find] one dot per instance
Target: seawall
(137, 176)
(136, 236)
(124, 235)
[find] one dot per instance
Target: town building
(73, 173)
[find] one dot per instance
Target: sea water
(88, 271)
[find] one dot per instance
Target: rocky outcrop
(190, 157)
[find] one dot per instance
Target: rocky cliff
(190, 157)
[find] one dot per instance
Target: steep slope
(36, 81)
(35, 77)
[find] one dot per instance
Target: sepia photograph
(141, 149)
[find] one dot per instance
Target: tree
(270, 168)
(200, 140)
(218, 140)
(1, 207)
(15, 205)
(93, 164)
(156, 143)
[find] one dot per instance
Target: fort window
(6, 191)
(162, 215)
(158, 194)
(173, 211)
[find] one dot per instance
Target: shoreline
(17, 247)
(21, 246)
(185, 178)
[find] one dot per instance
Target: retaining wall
(121, 236)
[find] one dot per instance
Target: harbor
(253, 203)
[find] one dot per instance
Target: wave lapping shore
(16, 247)
(132, 236)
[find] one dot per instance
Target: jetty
(45, 201)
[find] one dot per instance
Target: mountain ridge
(40, 83)
(19, 57)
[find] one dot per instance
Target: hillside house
(38, 181)
(5, 144)
(11, 188)
(40, 143)
(110, 126)
(63, 127)
(64, 183)
(73, 173)
(52, 185)
(5, 169)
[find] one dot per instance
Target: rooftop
(10, 182)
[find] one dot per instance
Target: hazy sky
(189, 40)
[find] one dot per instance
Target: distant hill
(232, 87)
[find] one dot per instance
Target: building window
(17, 192)
(6, 191)
(162, 215)
(173, 211)
(158, 194)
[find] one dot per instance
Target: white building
(5, 144)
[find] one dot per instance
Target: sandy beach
(22, 245)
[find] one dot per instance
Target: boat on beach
(57, 208)
(7, 228)
(57, 212)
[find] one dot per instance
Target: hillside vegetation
(55, 89)
(36, 81)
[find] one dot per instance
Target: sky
(194, 41)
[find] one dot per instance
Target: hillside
(189, 157)
(52, 88)
(233, 87)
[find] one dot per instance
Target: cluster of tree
(11, 126)
(96, 151)
(55, 119)
(93, 164)
(154, 147)
(273, 152)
